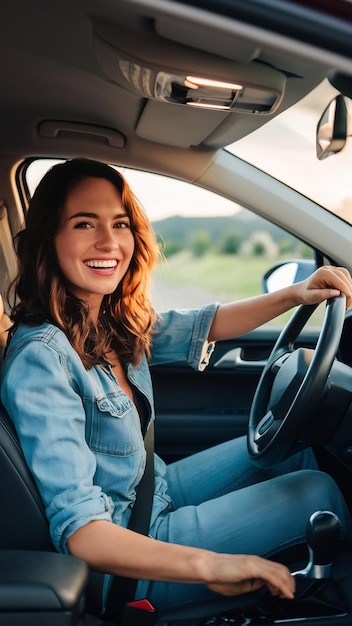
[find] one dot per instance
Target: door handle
(233, 359)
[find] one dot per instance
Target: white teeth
(104, 264)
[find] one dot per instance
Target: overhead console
(171, 76)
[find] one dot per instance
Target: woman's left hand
(327, 282)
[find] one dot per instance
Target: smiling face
(94, 243)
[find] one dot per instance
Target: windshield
(285, 148)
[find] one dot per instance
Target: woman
(76, 384)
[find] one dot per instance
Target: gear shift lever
(322, 536)
(317, 595)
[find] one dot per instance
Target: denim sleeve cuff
(100, 509)
(201, 349)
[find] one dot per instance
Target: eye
(83, 225)
(122, 224)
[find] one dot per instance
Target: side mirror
(287, 273)
(332, 129)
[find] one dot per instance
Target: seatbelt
(122, 589)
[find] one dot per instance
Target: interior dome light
(207, 105)
(208, 82)
(259, 88)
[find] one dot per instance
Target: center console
(323, 586)
(41, 589)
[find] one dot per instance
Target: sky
(160, 196)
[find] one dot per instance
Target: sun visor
(172, 125)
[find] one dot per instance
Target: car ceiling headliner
(59, 80)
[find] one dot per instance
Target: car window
(212, 248)
(292, 154)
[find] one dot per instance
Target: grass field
(219, 277)
(228, 276)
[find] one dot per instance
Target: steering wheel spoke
(265, 430)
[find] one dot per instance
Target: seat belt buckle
(139, 613)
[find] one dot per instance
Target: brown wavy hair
(42, 292)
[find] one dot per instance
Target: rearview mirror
(332, 128)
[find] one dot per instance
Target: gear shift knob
(322, 533)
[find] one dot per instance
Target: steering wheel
(291, 385)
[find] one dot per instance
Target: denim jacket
(79, 432)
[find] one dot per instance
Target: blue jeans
(222, 502)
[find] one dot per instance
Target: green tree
(287, 246)
(172, 247)
(259, 248)
(230, 244)
(201, 243)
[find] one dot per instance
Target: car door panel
(195, 410)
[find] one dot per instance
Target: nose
(107, 239)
